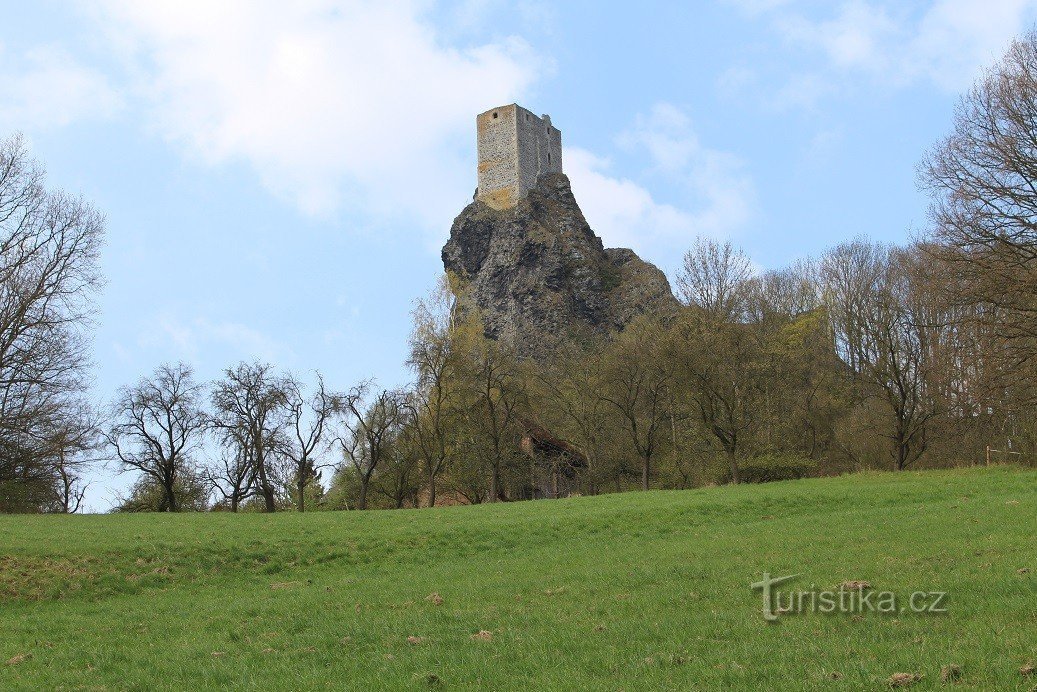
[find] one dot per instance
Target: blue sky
(279, 177)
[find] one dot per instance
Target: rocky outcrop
(537, 270)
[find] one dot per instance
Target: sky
(278, 178)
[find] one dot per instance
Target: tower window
(495, 114)
(549, 158)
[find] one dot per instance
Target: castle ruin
(515, 148)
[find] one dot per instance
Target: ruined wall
(515, 149)
(539, 149)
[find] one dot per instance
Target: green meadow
(619, 592)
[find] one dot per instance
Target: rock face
(538, 272)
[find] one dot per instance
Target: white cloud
(186, 340)
(331, 102)
(620, 210)
(45, 87)
(956, 38)
(802, 91)
(624, 213)
(755, 7)
(944, 42)
(857, 37)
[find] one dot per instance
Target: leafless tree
(49, 248)
(889, 330)
(232, 475)
(399, 480)
(714, 276)
(783, 294)
(572, 388)
(77, 449)
(157, 424)
(308, 421)
(250, 411)
(718, 365)
(983, 178)
(371, 431)
(70, 490)
(638, 384)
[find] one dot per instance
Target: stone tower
(515, 149)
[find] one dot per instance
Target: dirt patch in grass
(38, 578)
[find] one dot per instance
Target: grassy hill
(640, 590)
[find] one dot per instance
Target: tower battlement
(515, 148)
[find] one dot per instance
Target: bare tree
(308, 421)
(371, 432)
(718, 366)
(890, 332)
(250, 410)
(399, 480)
(714, 276)
(76, 450)
(983, 178)
(232, 475)
(157, 424)
(49, 248)
(572, 388)
(638, 384)
(783, 294)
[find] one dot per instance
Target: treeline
(255, 438)
(860, 359)
(867, 357)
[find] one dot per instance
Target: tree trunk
(733, 465)
(431, 489)
(361, 502)
(302, 493)
(264, 486)
(646, 469)
(170, 498)
(494, 483)
(901, 451)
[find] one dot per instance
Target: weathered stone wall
(498, 156)
(539, 149)
(515, 149)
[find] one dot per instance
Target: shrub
(146, 494)
(773, 467)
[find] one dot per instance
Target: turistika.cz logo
(849, 598)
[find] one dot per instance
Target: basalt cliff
(536, 272)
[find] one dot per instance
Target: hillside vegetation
(639, 590)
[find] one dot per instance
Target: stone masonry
(515, 149)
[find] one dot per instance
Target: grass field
(633, 591)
